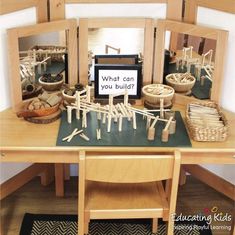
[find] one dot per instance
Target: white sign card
(114, 81)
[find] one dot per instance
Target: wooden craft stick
(109, 123)
(148, 121)
(134, 120)
(69, 114)
(71, 137)
(78, 114)
(104, 118)
(120, 123)
(67, 137)
(99, 113)
(83, 136)
(168, 123)
(154, 122)
(84, 119)
(88, 92)
(161, 108)
(74, 133)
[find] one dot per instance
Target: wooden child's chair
(127, 186)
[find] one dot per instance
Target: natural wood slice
(149, 105)
(45, 119)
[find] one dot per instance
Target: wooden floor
(193, 198)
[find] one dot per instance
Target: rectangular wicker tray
(199, 133)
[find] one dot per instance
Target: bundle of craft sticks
(204, 116)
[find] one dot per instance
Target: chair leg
(154, 225)
(182, 179)
(86, 227)
(170, 227)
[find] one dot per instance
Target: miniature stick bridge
(116, 112)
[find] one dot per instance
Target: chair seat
(114, 200)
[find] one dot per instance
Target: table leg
(67, 171)
(59, 179)
(48, 174)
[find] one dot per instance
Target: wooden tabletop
(19, 135)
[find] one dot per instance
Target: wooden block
(169, 114)
(172, 127)
(165, 135)
(151, 133)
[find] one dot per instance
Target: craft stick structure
(115, 112)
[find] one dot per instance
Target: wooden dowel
(168, 123)
(154, 122)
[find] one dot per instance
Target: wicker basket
(199, 133)
(154, 92)
(181, 86)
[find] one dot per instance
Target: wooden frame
(85, 24)
(220, 36)
(14, 34)
(8, 6)
(57, 7)
(191, 7)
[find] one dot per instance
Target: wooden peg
(98, 134)
(172, 127)
(165, 131)
(151, 133)
(202, 80)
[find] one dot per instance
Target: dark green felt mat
(128, 136)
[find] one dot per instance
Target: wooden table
(21, 141)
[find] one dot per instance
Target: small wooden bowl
(183, 85)
(51, 86)
(69, 98)
(154, 92)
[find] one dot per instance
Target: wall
(226, 21)
(16, 19)
(205, 17)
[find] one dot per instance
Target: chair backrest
(129, 168)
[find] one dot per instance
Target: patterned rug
(67, 225)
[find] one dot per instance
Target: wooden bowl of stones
(153, 93)
(181, 82)
(51, 82)
(43, 105)
(69, 94)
